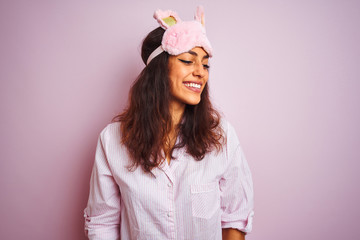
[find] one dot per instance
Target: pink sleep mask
(181, 36)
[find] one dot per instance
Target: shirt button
(169, 214)
(169, 185)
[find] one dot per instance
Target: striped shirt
(186, 199)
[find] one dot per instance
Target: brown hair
(146, 121)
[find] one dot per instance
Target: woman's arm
(237, 197)
(102, 213)
(232, 234)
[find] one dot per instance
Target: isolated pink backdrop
(285, 73)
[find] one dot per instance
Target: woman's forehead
(196, 51)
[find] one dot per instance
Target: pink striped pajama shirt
(187, 199)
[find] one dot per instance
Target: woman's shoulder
(226, 126)
(229, 132)
(111, 131)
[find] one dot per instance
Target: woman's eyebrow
(195, 54)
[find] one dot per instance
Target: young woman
(169, 167)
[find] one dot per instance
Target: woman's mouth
(193, 86)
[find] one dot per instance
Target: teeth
(194, 85)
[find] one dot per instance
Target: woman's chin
(188, 100)
(193, 102)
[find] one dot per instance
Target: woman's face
(188, 73)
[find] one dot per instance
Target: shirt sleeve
(102, 214)
(236, 186)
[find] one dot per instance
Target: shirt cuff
(108, 234)
(241, 225)
(98, 232)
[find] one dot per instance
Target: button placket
(171, 211)
(170, 185)
(170, 197)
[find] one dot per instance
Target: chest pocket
(205, 200)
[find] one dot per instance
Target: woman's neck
(176, 111)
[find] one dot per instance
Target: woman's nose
(199, 70)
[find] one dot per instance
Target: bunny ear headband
(181, 36)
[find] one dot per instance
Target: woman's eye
(186, 62)
(206, 66)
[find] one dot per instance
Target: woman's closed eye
(185, 61)
(206, 66)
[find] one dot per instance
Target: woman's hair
(146, 122)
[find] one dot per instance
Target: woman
(169, 167)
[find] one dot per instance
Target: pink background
(285, 73)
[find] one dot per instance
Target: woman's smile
(193, 86)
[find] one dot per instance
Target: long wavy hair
(146, 121)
